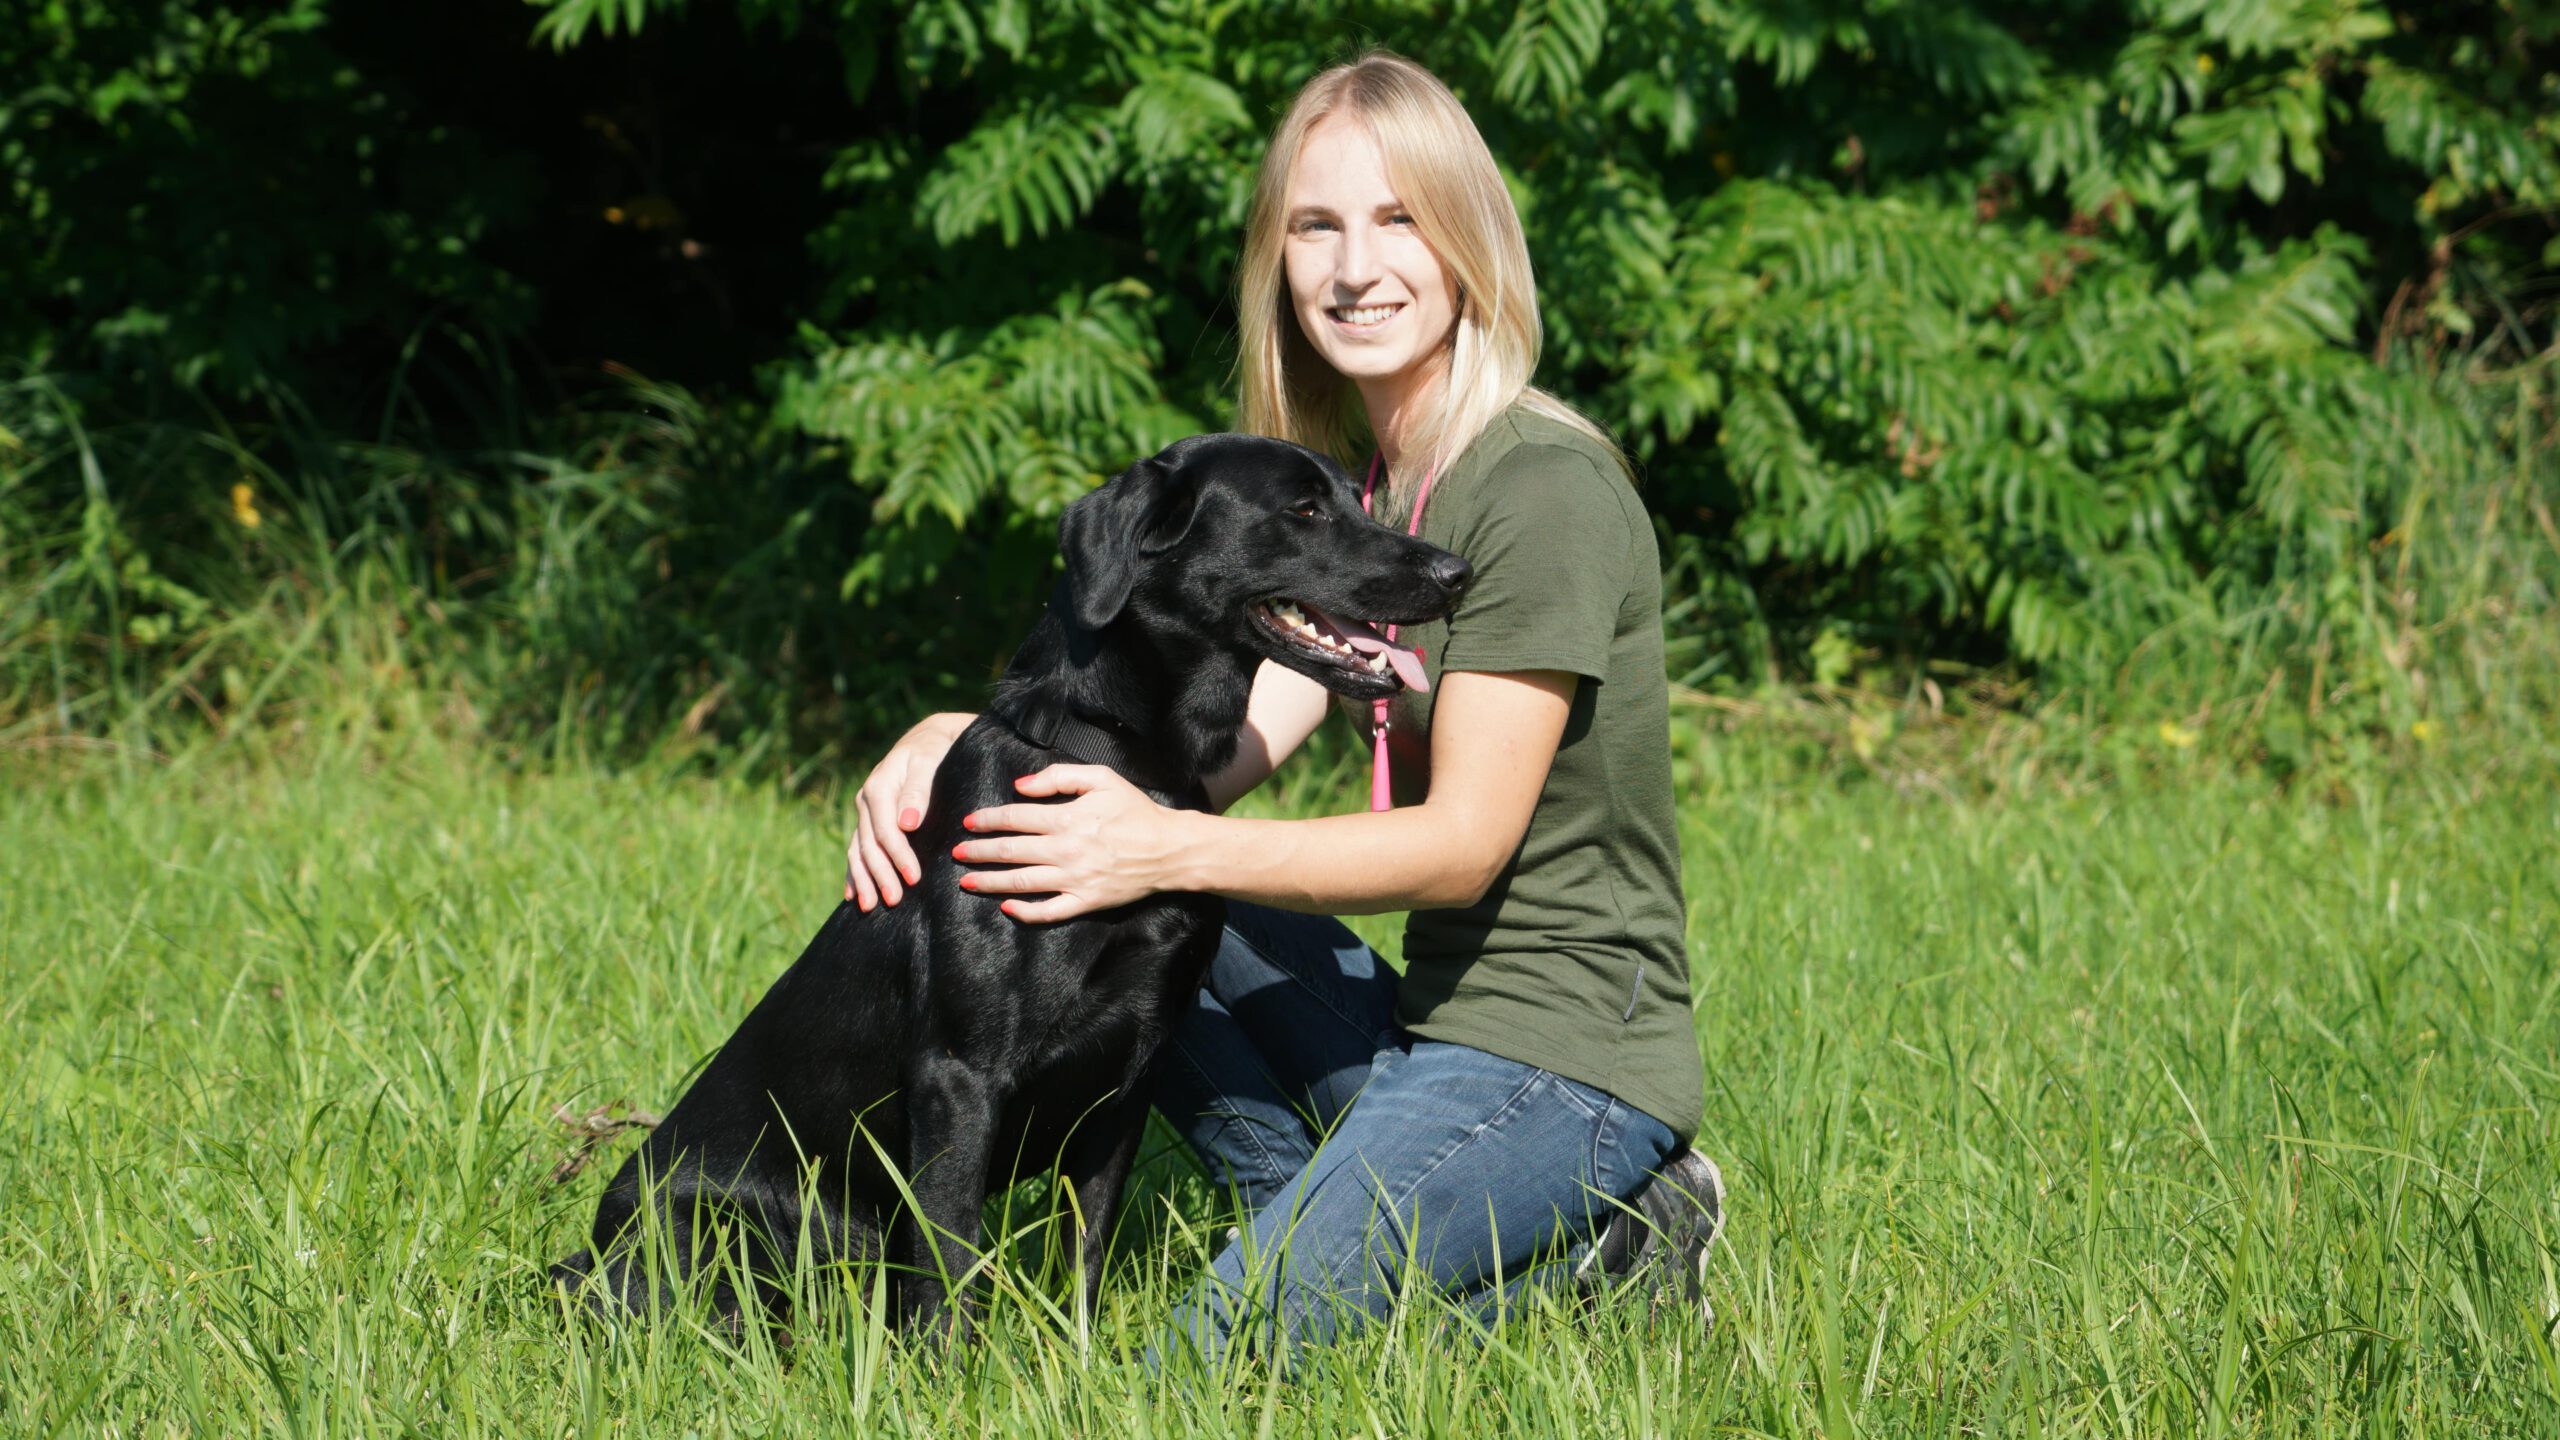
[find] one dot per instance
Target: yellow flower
(2176, 736)
(2423, 731)
(244, 506)
(2204, 64)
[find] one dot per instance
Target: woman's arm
(1493, 737)
(1284, 710)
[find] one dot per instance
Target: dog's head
(1260, 547)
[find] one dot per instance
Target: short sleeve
(1550, 550)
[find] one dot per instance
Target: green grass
(2194, 1110)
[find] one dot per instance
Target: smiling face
(1368, 291)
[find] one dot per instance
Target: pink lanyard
(1379, 796)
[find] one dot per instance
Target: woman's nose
(1355, 261)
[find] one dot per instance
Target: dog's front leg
(951, 1122)
(1097, 1165)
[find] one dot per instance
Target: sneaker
(1660, 1237)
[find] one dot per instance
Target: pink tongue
(1403, 659)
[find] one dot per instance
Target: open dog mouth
(1348, 644)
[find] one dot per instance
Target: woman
(1538, 1053)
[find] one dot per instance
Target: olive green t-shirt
(1576, 959)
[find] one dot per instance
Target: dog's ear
(1142, 511)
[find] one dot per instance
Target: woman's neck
(1396, 402)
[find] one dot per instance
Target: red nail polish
(914, 875)
(969, 882)
(955, 852)
(910, 818)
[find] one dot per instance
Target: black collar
(1094, 740)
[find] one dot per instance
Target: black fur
(972, 1049)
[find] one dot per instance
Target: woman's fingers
(1026, 880)
(1066, 780)
(858, 886)
(1045, 819)
(1045, 912)
(1046, 903)
(1008, 850)
(1021, 819)
(878, 869)
(891, 817)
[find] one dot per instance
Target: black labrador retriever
(953, 1044)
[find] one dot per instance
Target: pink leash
(1379, 796)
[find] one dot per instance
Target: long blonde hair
(1446, 177)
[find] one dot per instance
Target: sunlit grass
(2195, 1110)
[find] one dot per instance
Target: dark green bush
(2136, 349)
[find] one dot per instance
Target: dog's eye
(1307, 511)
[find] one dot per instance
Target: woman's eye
(1399, 219)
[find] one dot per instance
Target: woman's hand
(878, 862)
(1107, 846)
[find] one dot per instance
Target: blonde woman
(1537, 1059)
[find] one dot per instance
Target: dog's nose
(1451, 573)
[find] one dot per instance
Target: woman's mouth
(1362, 319)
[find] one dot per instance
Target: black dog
(955, 1043)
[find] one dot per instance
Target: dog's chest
(1134, 987)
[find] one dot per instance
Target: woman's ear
(1108, 534)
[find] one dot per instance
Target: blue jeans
(1455, 1170)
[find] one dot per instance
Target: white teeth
(1294, 620)
(1365, 314)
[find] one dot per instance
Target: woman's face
(1370, 294)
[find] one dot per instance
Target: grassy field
(2189, 1110)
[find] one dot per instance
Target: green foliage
(2013, 343)
(207, 193)
(2113, 346)
(1006, 418)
